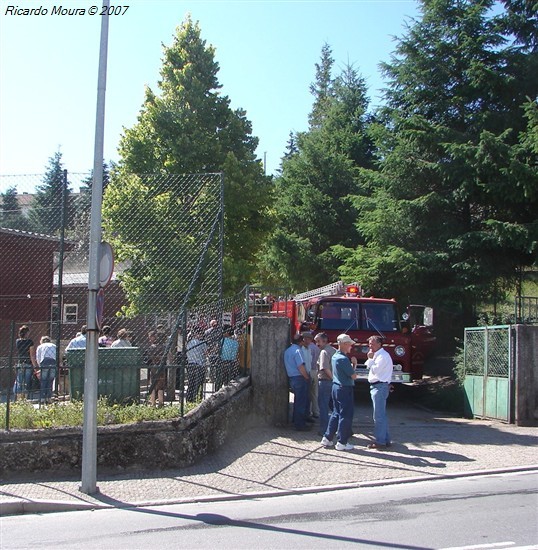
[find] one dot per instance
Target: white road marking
(507, 544)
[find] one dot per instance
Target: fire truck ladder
(334, 289)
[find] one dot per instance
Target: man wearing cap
(299, 380)
(342, 394)
(380, 367)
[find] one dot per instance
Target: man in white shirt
(380, 367)
(79, 342)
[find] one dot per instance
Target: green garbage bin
(118, 373)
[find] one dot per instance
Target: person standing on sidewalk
(342, 393)
(299, 380)
(313, 350)
(325, 379)
(380, 367)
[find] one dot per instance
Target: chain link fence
(487, 351)
(165, 292)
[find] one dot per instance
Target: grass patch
(24, 415)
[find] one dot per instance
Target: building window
(70, 313)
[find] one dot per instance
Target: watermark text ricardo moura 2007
(59, 9)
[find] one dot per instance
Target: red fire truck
(339, 308)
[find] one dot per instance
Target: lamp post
(89, 431)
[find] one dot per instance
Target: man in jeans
(325, 379)
(342, 393)
(380, 368)
(299, 380)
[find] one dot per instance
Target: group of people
(36, 367)
(322, 378)
(215, 349)
(106, 340)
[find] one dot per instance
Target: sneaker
(342, 447)
(326, 442)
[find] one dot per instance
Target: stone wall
(145, 446)
(526, 375)
(261, 398)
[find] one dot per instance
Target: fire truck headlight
(399, 351)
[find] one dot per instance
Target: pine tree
(322, 87)
(46, 212)
(311, 194)
(11, 214)
(448, 214)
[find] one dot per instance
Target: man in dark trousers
(299, 380)
(342, 393)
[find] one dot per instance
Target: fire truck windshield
(345, 316)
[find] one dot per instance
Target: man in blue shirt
(228, 359)
(299, 380)
(342, 393)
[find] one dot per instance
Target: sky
(266, 50)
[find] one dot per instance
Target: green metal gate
(488, 372)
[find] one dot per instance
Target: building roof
(34, 235)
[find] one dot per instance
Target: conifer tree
(450, 211)
(46, 212)
(10, 211)
(311, 194)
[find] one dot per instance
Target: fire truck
(339, 308)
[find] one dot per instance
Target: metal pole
(221, 238)
(89, 434)
(61, 276)
(10, 371)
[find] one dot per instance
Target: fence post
(10, 371)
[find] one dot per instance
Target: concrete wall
(269, 338)
(526, 375)
(148, 445)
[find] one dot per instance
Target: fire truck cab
(339, 308)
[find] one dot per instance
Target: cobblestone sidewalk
(269, 460)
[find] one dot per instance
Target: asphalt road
(495, 511)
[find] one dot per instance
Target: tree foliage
(46, 212)
(11, 215)
(319, 171)
(449, 211)
(188, 127)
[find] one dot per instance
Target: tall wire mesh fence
(165, 292)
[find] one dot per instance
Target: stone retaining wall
(145, 446)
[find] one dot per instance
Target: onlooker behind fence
(122, 341)
(228, 367)
(196, 358)
(213, 339)
(106, 339)
(155, 354)
(26, 362)
(46, 357)
(79, 342)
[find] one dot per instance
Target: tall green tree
(188, 127)
(449, 213)
(11, 214)
(46, 212)
(312, 209)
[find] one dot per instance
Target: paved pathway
(268, 460)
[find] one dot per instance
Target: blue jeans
(299, 387)
(379, 394)
(48, 373)
(324, 397)
(23, 379)
(342, 416)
